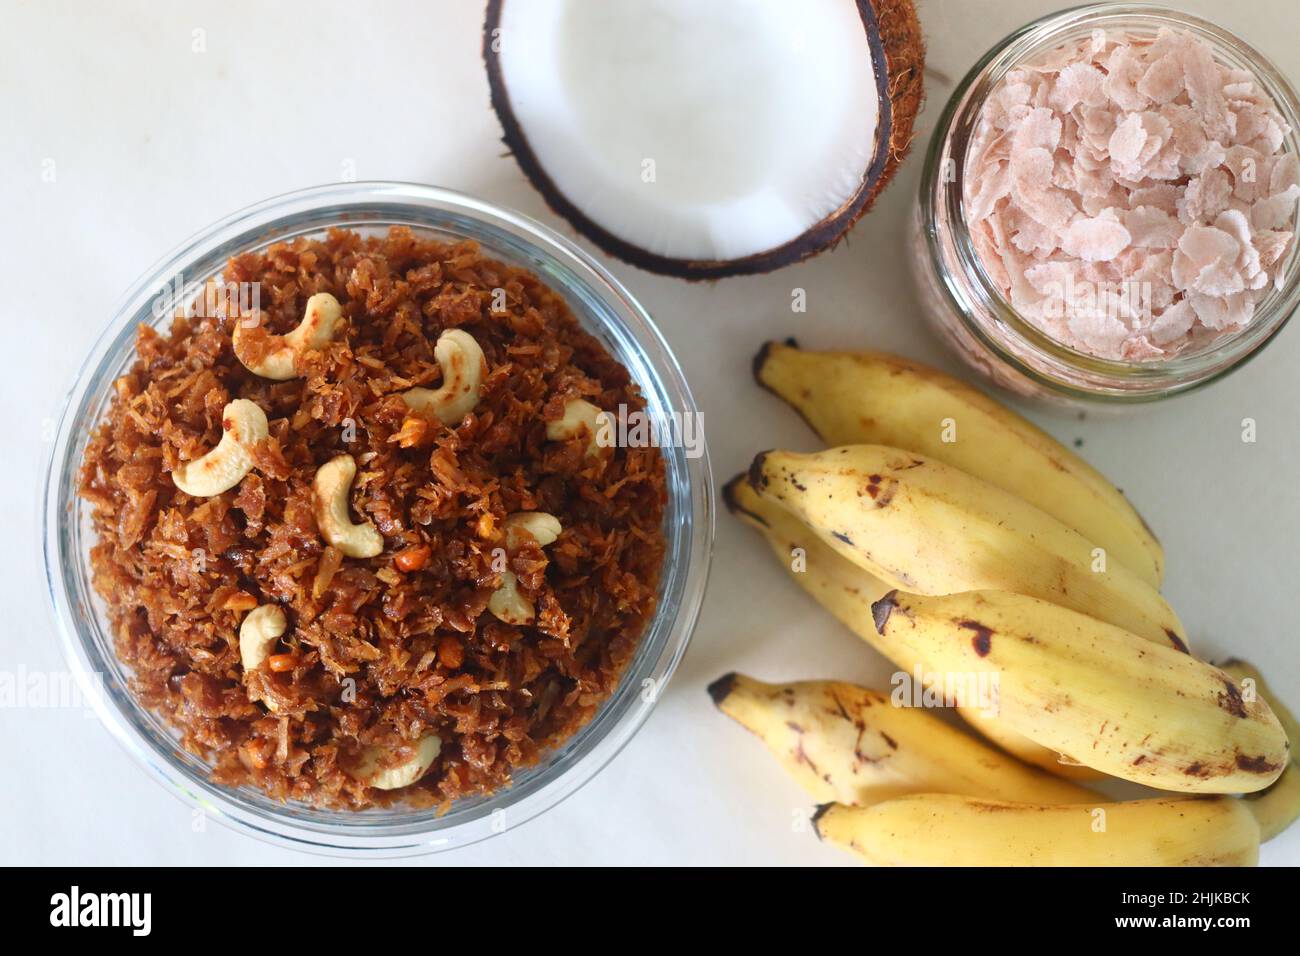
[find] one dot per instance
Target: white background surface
(152, 142)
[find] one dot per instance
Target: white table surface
(150, 141)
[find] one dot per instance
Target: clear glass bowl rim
(1113, 381)
(610, 311)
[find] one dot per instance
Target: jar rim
(1027, 347)
(604, 307)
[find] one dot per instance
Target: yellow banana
(938, 829)
(1278, 806)
(1024, 749)
(853, 745)
(848, 592)
(1094, 692)
(929, 528)
(875, 398)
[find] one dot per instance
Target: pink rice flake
(1052, 279)
(1276, 212)
(1135, 145)
(1218, 313)
(1188, 133)
(1206, 246)
(1284, 175)
(1040, 128)
(1126, 142)
(1270, 139)
(1096, 203)
(1235, 223)
(1064, 174)
(1250, 125)
(1245, 166)
(1095, 323)
(1130, 194)
(1168, 42)
(1163, 79)
(1097, 125)
(1140, 349)
(1150, 227)
(1123, 71)
(1015, 94)
(1031, 169)
(1030, 236)
(1031, 187)
(1163, 197)
(995, 185)
(1205, 197)
(1204, 80)
(1271, 244)
(1172, 324)
(1078, 84)
(1095, 240)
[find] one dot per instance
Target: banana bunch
(956, 538)
(904, 788)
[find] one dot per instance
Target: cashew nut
(545, 528)
(332, 484)
(507, 604)
(580, 417)
(313, 332)
(244, 425)
(463, 369)
(399, 775)
(262, 627)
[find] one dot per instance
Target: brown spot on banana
(1256, 764)
(803, 757)
(983, 639)
(1230, 700)
(839, 707)
(881, 489)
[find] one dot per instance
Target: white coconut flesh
(695, 130)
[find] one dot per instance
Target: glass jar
(971, 312)
(600, 304)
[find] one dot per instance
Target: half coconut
(706, 139)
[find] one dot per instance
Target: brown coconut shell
(898, 51)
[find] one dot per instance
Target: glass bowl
(600, 304)
(969, 310)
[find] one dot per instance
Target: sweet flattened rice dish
(361, 544)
